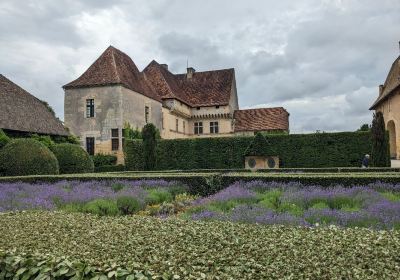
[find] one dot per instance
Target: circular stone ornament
(271, 162)
(251, 162)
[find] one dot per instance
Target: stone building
(112, 92)
(388, 102)
(22, 114)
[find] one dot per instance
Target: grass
(197, 250)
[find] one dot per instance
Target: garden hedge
(344, 149)
(27, 157)
(73, 159)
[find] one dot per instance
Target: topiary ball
(27, 157)
(73, 159)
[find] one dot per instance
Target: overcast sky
(321, 60)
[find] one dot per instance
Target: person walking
(365, 161)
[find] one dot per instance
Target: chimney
(380, 89)
(165, 66)
(190, 72)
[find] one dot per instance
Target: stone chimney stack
(190, 72)
(165, 66)
(380, 89)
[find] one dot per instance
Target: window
(177, 125)
(198, 108)
(90, 145)
(198, 128)
(114, 139)
(89, 108)
(184, 127)
(146, 114)
(214, 127)
(217, 107)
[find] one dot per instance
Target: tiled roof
(391, 84)
(21, 111)
(114, 67)
(261, 119)
(207, 88)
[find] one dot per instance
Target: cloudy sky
(321, 60)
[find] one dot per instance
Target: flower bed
(61, 245)
(376, 205)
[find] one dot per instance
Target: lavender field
(373, 206)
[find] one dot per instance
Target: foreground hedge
(345, 149)
(178, 249)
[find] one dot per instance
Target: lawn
(179, 249)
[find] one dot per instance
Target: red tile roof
(391, 84)
(261, 119)
(207, 88)
(114, 67)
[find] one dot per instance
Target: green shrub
(391, 196)
(380, 154)
(73, 159)
(44, 139)
(101, 207)
(27, 157)
(4, 139)
(128, 205)
(271, 199)
(320, 205)
(116, 187)
(344, 149)
(158, 196)
(149, 146)
(102, 160)
(291, 208)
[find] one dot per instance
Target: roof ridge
(114, 63)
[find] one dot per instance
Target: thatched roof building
(22, 112)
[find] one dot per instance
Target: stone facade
(114, 107)
(388, 102)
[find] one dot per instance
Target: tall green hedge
(344, 149)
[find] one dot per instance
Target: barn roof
(21, 111)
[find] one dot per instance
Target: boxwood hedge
(56, 245)
(344, 149)
(72, 158)
(26, 157)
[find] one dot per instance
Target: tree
(380, 154)
(149, 134)
(364, 127)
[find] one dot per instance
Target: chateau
(388, 102)
(112, 92)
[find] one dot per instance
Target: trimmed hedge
(344, 149)
(27, 157)
(204, 184)
(103, 160)
(4, 139)
(109, 168)
(72, 159)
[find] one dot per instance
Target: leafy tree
(130, 133)
(149, 133)
(4, 139)
(380, 154)
(364, 127)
